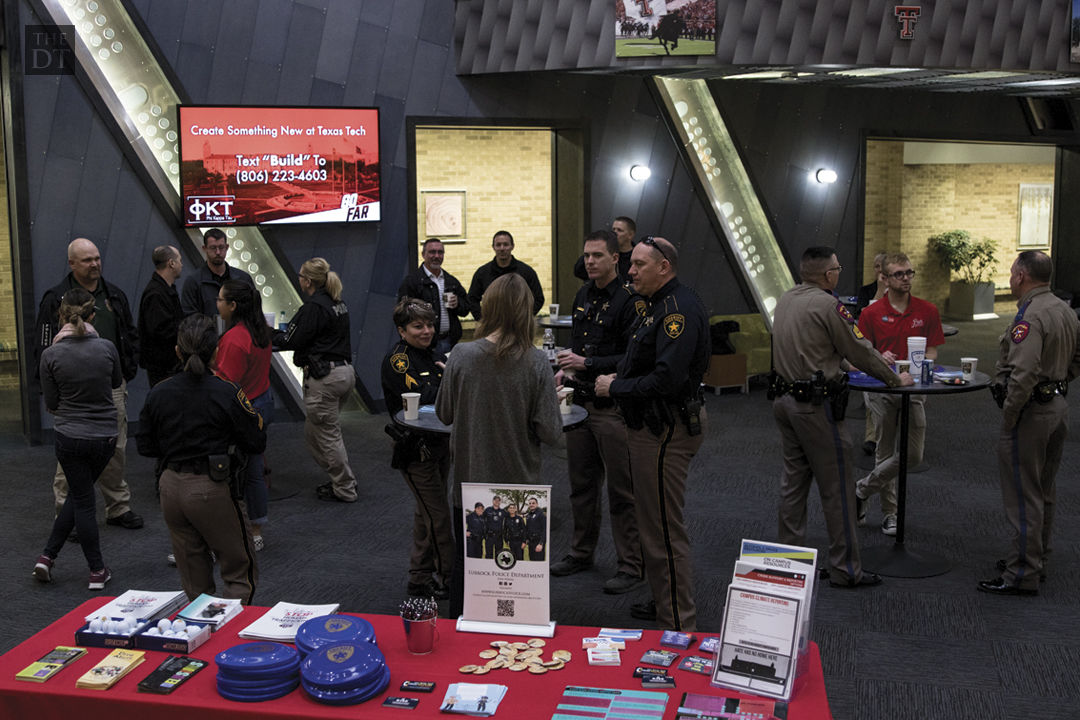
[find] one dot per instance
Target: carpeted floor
(909, 649)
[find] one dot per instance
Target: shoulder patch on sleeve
(673, 325)
(843, 312)
(1019, 331)
(242, 398)
(400, 362)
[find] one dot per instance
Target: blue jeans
(255, 493)
(83, 460)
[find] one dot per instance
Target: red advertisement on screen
(271, 165)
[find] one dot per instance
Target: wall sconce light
(640, 173)
(825, 176)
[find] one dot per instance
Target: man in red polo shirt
(888, 323)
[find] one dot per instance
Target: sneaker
(569, 565)
(98, 578)
(621, 583)
(257, 541)
(860, 509)
(326, 492)
(43, 569)
(888, 525)
(171, 560)
(128, 520)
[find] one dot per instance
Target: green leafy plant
(972, 259)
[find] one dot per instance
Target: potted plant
(971, 297)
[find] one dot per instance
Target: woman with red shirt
(243, 358)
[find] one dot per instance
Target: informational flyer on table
(506, 530)
(759, 642)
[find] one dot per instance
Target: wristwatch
(589, 363)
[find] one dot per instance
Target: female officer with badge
(423, 458)
(189, 421)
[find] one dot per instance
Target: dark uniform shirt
(514, 529)
(493, 521)
(668, 351)
(536, 527)
(418, 285)
(410, 369)
(489, 272)
(475, 525)
(189, 418)
(603, 320)
(201, 289)
(318, 331)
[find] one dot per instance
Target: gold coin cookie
(537, 669)
(467, 668)
(563, 655)
(488, 654)
(498, 643)
(481, 671)
(535, 643)
(518, 667)
(508, 650)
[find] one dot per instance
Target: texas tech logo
(209, 209)
(906, 15)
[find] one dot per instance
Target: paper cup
(903, 366)
(420, 635)
(916, 350)
(566, 400)
(967, 367)
(446, 298)
(553, 309)
(411, 403)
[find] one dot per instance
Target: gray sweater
(501, 412)
(78, 374)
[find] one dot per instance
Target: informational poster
(506, 530)
(261, 165)
(759, 642)
(665, 27)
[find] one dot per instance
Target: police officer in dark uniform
(474, 532)
(604, 315)
(494, 517)
(514, 532)
(536, 530)
(189, 421)
(320, 339)
(423, 458)
(658, 386)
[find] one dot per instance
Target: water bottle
(549, 344)
(283, 324)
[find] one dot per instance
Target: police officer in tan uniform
(814, 339)
(658, 387)
(1038, 356)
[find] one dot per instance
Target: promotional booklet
(473, 699)
(108, 672)
(51, 663)
(279, 623)
(213, 610)
(141, 605)
(173, 672)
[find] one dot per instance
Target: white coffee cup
(916, 350)
(446, 298)
(411, 402)
(553, 309)
(967, 367)
(566, 400)
(903, 366)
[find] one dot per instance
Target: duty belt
(197, 466)
(1045, 391)
(805, 390)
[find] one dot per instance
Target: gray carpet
(909, 649)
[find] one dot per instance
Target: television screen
(270, 165)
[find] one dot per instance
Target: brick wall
(506, 176)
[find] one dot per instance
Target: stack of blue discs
(257, 671)
(344, 674)
(333, 630)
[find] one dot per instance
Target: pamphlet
(141, 605)
(602, 703)
(108, 672)
(698, 664)
(473, 699)
(759, 642)
(215, 611)
(51, 663)
(790, 558)
(663, 658)
(280, 623)
(173, 672)
(619, 634)
(695, 706)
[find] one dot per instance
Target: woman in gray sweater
(78, 373)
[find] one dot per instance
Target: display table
(529, 696)
(898, 560)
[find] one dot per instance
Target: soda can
(927, 373)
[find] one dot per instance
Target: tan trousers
(323, 400)
(595, 450)
(816, 446)
(114, 489)
(1029, 456)
(885, 410)
(202, 518)
(658, 467)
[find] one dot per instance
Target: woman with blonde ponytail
(78, 374)
(320, 338)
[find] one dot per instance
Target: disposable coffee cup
(553, 309)
(420, 635)
(411, 402)
(903, 366)
(566, 400)
(446, 298)
(916, 350)
(967, 367)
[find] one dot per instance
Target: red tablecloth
(529, 696)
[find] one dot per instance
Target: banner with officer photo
(506, 553)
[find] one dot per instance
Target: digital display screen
(272, 165)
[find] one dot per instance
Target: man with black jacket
(160, 315)
(113, 322)
(201, 289)
(431, 283)
(504, 262)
